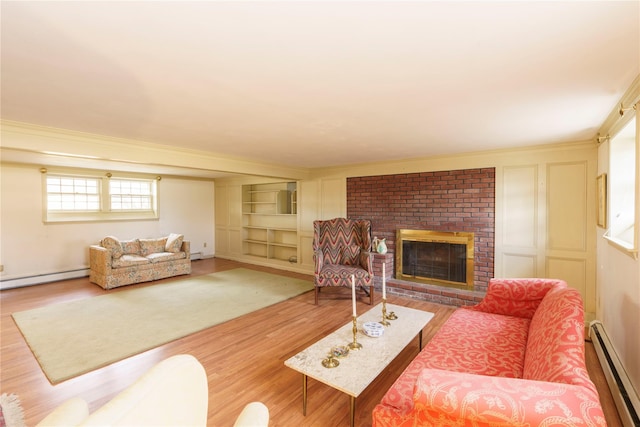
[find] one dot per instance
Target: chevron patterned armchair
(342, 248)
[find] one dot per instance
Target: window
(622, 188)
(72, 194)
(130, 195)
(99, 198)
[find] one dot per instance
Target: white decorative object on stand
(373, 329)
(381, 246)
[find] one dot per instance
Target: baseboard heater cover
(623, 392)
(39, 279)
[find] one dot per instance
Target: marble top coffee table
(360, 367)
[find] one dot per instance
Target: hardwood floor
(244, 358)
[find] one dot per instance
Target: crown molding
(614, 122)
(469, 160)
(70, 144)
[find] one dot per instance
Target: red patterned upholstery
(341, 249)
(516, 297)
(557, 353)
(522, 364)
(445, 398)
(475, 342)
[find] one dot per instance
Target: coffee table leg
(420, 335)
(353, 411)
(304, 395)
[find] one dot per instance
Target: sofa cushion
(174, 243)
(152, 246)
(470, 341)
(555, 350)
(339, 271)
(516, 297)
(444, 398)
(113, 245)
(480, 343)
(130, 247)
(165, 256)
(129, 260)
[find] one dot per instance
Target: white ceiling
(320, 83)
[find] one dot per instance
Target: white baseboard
(622, 390)
(39, 279)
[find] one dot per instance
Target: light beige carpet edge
(72, 338)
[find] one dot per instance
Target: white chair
(172, 393)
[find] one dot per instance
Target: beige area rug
(72, 338)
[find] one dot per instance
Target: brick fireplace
(444, 201)
(435, 257)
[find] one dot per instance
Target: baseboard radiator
(623, 392)
(38, 279)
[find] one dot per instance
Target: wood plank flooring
(244, 358)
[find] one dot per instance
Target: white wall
(618, 298)
(29, 247)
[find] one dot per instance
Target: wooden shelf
(256, 227)
(270, 221)
(272, 201)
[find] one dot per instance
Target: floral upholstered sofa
(515, 359)
(116, 262)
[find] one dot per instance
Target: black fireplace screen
(435, 260)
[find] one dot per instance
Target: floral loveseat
(116, 263)
(515, 359)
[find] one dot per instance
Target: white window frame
(63, 191)
(623, 189)
(105, 212)
(137, 199)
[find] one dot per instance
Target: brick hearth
(460, 200)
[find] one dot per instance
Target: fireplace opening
(444, 258)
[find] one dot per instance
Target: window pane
(134, 195)
(72, 194)
(622, 184)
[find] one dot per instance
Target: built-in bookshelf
(269, 214)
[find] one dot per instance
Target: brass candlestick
(384, 320)
(385, 316)
(355, 345)
(330, 361)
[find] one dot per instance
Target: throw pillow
(152, 246)
(113, 244)
(351, 255)
(131, 247)
(174, 243)
(11, 412)
(516, 297)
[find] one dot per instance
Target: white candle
(384, 282)
(353, 294)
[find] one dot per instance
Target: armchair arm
(254, 414)
(366, 261)
(516, 297)
(442, 397)
(71, 413)
(100, 259)
(318, 260)
(173, 392)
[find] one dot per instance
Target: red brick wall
(459, 200)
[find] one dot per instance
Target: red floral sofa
(515, 359)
